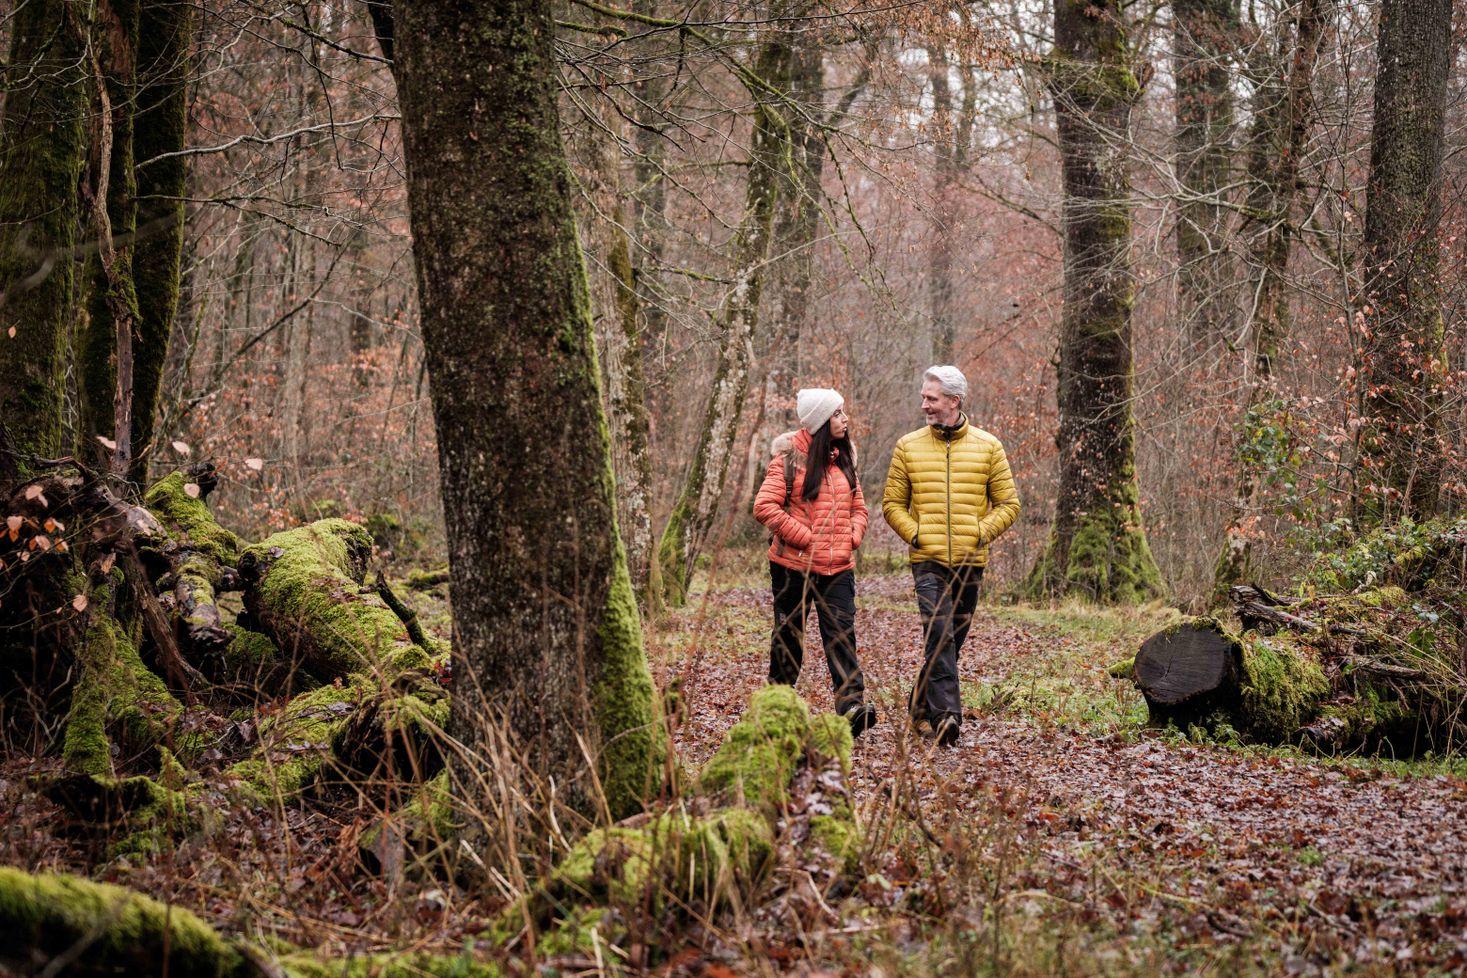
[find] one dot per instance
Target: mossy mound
(45, 917)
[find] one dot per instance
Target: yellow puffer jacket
(949, 493)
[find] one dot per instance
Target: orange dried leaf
(79, 602)
(107, 562)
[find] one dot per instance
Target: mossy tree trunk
(1097, 547)
(1403, 357)
(42, 149)
(165, 37)
(696, 508)
(610, 226)
(1282, 113)
(1204, 36)
(547, 635)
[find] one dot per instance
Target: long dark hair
(820, 445)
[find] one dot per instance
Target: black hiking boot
(861, 717)
(947, 728)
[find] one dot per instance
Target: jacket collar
(951, 432)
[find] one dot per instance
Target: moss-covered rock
(757, 758)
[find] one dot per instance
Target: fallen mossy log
(59, 924)
(199, 556)
(304, 588)
(1357, 671)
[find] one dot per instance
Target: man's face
(937, 407)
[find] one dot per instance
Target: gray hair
(954, 384)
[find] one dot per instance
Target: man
(949, 494)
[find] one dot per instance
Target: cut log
(1187, 670)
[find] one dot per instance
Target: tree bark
(547, 635)
(165, 37)
(1282, 113)
(1097, 547)
(42, 149)
(696, 508)
(1403, 356)
(795, 228)
(108, 342)
(1204, 35)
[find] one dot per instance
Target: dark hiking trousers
(834, 596)
(946, 598)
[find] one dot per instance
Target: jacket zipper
(949, 441)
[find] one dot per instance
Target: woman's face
(840, 423)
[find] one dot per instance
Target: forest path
(1057, 780)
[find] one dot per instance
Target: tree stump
(1189, 670)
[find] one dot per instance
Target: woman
(811, 501)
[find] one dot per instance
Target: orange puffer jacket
(817, 535)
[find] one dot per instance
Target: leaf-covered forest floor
(1061, 836)
(1064, 836)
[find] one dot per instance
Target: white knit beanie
(815, 405)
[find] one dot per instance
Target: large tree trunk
(1282, 111)
(696, 508)
(548, 640)
(1402, 358)
(1097, 547)
(41, 154)
(1204, 35)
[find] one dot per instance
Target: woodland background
(927, 232)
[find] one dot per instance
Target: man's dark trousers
(946, 599)
(835, 602)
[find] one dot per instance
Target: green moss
(250, 651)
(296, 742)
(1125, 669)
(1108, 559)
(307, 594)
(190, 516)
(1282, 688)
(830, 736)
(633, 737)
(840, 838)
(758, 755)
(121, 930)
(114, 695)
